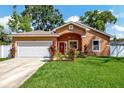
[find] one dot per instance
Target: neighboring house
(117, 48)
(70, 35)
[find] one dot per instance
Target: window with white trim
(95, 45)
(73, 44)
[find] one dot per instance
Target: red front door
(62, 47)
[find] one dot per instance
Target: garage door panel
(32, 49)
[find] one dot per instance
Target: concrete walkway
(14, 72)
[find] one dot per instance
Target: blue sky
(73, 12)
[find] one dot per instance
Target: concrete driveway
(14, 72)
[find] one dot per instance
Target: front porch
(69, 41)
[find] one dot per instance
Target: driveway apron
(14, 72)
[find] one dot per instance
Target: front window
(73, 44)
(95, 45)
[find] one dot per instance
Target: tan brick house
(70, 35)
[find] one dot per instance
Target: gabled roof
(74, 23)
(99, 31)
(52, 33)
(82, 26)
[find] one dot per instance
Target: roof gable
(87, 28)
(74, 23)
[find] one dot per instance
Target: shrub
(77, 53)
(65, 56)
(4, 43)
(52, 49)
(71, 54)
(58, 55)
(82, 55)
(13, 51)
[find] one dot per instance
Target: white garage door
(38, 49)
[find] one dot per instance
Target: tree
(98, 19)
(13, 22)
(19, 23)
(25, 23)
(4, 39)
(1, 28)
(44, 17)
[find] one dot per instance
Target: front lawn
(2, 59)
(90, 72)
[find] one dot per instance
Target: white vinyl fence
(117, 51)
(5, 51)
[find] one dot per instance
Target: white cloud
(118, 28)
(72, 18)
(120, 35)
(111, 10)
(120, 15)
(4, 21)
(118, 31)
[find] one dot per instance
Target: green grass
(90, 72)
(2, 59)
